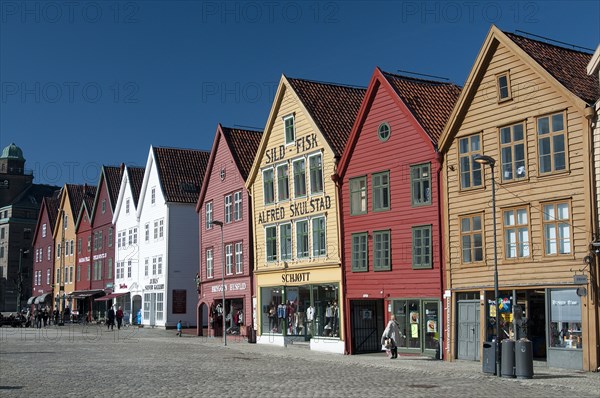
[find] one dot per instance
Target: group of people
(111, 315)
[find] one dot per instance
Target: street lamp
(220, 224)
(490, 161)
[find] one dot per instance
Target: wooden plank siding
(405, 147)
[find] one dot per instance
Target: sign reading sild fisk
(295, 209)
(305, 143)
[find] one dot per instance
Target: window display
(565, 319)
(419, 323)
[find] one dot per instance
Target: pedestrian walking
(110, 319)
(179, 328)
(45, 316)
(391, 337)
(119, 316)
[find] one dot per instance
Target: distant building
(20, 201)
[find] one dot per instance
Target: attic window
(290, 129)
(384, 132)
(503, 81)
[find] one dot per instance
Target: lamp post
(20, 279)
(61, 272)
(220, 224)
(490, 161)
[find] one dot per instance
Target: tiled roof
(113, 182)
(32, 196)
(76, 196)
(244, 145)
(52, 204)
(333, 107)
(431, 102)
(566, 65)
(89, 195)
(181, 172)
(136, 179)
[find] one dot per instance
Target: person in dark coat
(119, 316)
(110, 319)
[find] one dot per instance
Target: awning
(42, 299)
(110, 296)
(31, 300)
(86, 293)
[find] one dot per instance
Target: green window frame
(283, 182)
(319, 242)
(420, 183)
(299, 168)
(315, 163)
(285, 241)
(302, 249)
(271, 242)
(381, 191)
(268, 186)
(381, 250)
(358, 195)
(290, 129)
(422, 250)
(360, 259)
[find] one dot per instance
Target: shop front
(301, 305)
(237, 309)
(420, 325)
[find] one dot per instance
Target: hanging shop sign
(580, 279)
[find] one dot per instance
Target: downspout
(440, 161)
(339, 201)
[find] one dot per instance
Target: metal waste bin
(524, 359)
(489, 357)
(507, 367)
(251, 334)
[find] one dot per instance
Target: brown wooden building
(526, 104)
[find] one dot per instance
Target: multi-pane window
(302, 239)
(110, 237)
(161, 228)
(97, 270)
(268, 187)
(516, 233)
(44, 230)
(146, 267)
(127, 206)
(79, 244)
(147, 232)
(299, 167)
(315, 164)
(239, 258)
(359, 252)
(420, 183)
(512, 147)
(209, 263)
(57, 250)
(237, 206)
(229, 259)
(109, 269)
(358, 195)
(48, 276)
(551, 143)
(209, 214)
(283, 183)
(290, 135)
(381, 251)
(129, 267)
(49, 253)
(271, 242)
(504, 92)
(470, 170)
(381, 191)
(471, 238)
(129, 236)
(228, 208)
(78, 273)
(319, 247)
(153, 195)
(159, 270)
(155, 229)
(103, 206)
(421, 247)
(557, 228)
(159, 306)
(119, 272)
(154, 264)
(285, 241)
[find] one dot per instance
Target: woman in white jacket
(392, 332)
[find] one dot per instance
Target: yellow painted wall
(69, 234)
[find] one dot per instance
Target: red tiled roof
(76, 196)
(244, 145)
(566, 65)
(333, 107)
(181, 172)
(136, 179)
(52, 204)
(113, 183)
(431, 102)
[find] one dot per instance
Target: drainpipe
(339, 203)
(440, 162)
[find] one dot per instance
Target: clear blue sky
(86, 83)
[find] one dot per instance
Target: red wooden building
(389, 187)
(43, 248)
(223, 198)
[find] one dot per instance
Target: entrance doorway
(202, 320)
(366, 317)
(468, 330)
(136, 310)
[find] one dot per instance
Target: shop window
(557, 228)
(420, 182)
(552, 149)
(471, 238)
(565, 319)
(512, 148)
(408, 316)
(272, 300)
(470, 170)
(358, 195)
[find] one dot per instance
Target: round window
(384, 131)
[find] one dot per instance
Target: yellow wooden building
(526, 105)
(296, 234)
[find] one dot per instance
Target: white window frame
(237, 206)
(239, 258)
(209, 214)
(228, 208)
(210, 266)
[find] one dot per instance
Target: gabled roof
(33, 195)
(52, 204)
(181, 172)
(563, 68)
(566, 65)
(136, 179)
(333, 108)
(89, 193)
(242, 144)
(75, 193)
(113, 182)
(430, 101)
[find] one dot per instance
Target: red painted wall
(103, 222)
(84, 231)
(44, 264)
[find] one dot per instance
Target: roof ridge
(241, 129)
(180, 149)
(550, 44)
(328, 83)
(449, 83)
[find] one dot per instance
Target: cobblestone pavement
(75, 361)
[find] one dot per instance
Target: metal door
(367, 325)
(468, 330)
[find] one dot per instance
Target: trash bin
(508, 358)
(489, 357)
(524, 359)
(251, 334)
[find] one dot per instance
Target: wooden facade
(395, 279)
(543, 209)
(224, 198)
(43, 247)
